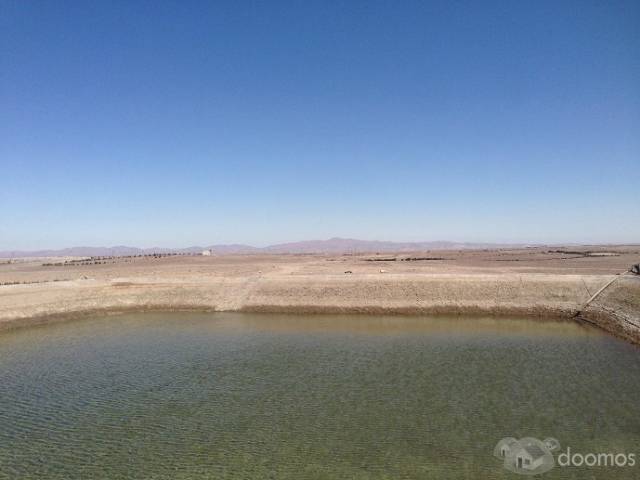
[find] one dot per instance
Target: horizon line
(307, 243)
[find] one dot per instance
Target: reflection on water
(366, 324)
(282, 396)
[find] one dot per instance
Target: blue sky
(184, 123)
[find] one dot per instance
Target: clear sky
(194, 123)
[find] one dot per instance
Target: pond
(221, 395)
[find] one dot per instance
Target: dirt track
(550, 281)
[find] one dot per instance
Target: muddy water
(177, 396)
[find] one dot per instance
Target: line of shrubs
(26, 282)
(113, 259)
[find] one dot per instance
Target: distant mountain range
(333, 245)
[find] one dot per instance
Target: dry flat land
(541, 281)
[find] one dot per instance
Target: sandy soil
(550, 281)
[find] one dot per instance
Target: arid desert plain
(590, 284)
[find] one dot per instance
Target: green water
(190, 396)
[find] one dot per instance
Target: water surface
(191, 396)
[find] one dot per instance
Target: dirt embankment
(617, 308)
(531, 283)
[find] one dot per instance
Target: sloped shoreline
(616, 310)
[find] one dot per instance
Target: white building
(207, 253)
(529, 457)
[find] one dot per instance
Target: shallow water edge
(541, 315)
